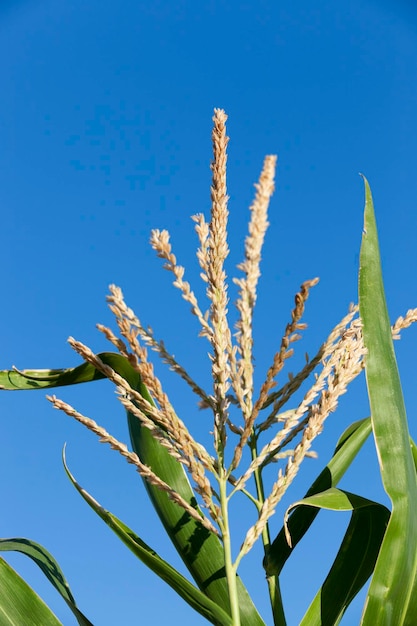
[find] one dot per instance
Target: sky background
(105, 122)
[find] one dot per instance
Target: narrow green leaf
(355, 559)
(21, 380)
(191, 594)
(301, 518)
(392, 597)
(46, 562)
(19, 604)
(200, 550)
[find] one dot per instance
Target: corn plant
(194, 489)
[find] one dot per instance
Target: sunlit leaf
(355, 559)
(392, 596)
(19, 604)
(46, 562)
(191, 594)
(301, 518)
(200, 549)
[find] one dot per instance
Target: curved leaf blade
(355, 559)
(49, 566)
(392, 597)
(301, 518)
(191, 594)
(29, 379)
(200, 550)
(19, 604)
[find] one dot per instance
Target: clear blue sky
(105, 121)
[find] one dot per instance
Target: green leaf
(392, 596)
(19, 604)
(301, 518)
(200, 549)
(193, 596)
(21, 380)
(355, 559)
(49, 567)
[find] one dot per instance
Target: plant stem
(228, 562)
(276, 601)
(273, 581)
